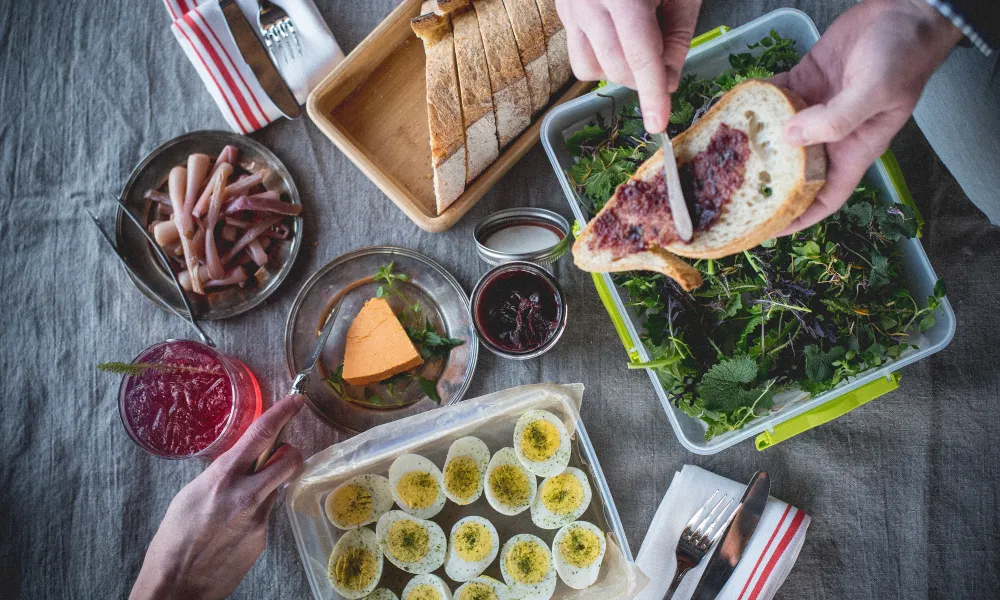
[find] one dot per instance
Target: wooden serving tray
(373, 106)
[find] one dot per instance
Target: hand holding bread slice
(743, 185)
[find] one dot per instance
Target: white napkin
(766, 561)
(201, 29)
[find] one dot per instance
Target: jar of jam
(519, 310)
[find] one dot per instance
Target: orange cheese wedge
(377, 346)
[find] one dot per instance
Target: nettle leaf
(819, 364)
(879, 274)
(859, 213)
(896, 222)
(590, 133)
(723, 387)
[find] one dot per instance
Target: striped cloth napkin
(201, 29)
(766, 561)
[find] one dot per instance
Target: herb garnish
(142, 368)
(803, 311)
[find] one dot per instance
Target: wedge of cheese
(527, 26)
(444, 111)
(481, 146)
(377, 345)
(556, 49)
(511, 96)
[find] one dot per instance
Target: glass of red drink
(194, 402)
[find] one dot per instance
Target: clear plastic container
(709, 58)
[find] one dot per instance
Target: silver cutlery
(278, 31)
(698, 536)
(675, 195)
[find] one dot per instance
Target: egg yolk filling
(528, 563)
(351, 504)
(419, 489)
(461, 477)
(354, 569)
(424, 591)
(562, 494)
(472, 541)
(408, 541)
(540, 440)
(580, 547)
(510, 485)
(478, 591)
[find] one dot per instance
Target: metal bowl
(151, 173)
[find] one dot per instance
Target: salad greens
(804, 311)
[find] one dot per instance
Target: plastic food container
(490, 418)
(709, 58)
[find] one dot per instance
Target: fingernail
(654, 124)
(795, 136)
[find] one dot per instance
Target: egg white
(507, 456)
(459, 569)
(542, 590)
(363, 538)
(381, 594)
(437, 543)
(556, 463)
(501, 590)
(408, 463)
(578, 578)
(545, 518)
(377, 486)
(432, 580)
(478, 451)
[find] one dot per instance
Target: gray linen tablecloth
(903, 492)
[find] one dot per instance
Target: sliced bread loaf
(556, 48)
(743, 183)
(444, 112)
(527, 26)
(511, 97)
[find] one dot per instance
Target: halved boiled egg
(542, 443)
(358, 501)
(381, 594)
(483, 588)
(561, 499)
(472, 546)
(417, 485)
(355, 565)
(527, 567)
(426, 587)
(464, 470)
(510, 487)
(578, 550)
(414, 545)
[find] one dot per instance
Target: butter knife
(255, 55)
(735, 538)
(678, 207)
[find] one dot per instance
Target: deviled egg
(426, 587)
(527, 567)
(472, 546)
(578, 551)
(381, 594)
(542, 443)
(358, 501)
(414, 545)
(510, 487)
(355, 565)
(464, 470)
(561, 499)
(483, 588)
(417, 485)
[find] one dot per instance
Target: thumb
(830, 122)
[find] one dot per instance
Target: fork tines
(704, 532)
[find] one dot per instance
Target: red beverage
(198, 404)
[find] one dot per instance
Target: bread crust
(527, 26)
(556, 47)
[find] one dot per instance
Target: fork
(278, 31)
(698, 536)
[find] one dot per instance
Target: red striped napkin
(766, 561)
(201, 29)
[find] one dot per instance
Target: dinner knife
(299, 383)
(256, 56)
(678, 207)
(735, 538)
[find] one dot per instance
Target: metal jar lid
(522, 244)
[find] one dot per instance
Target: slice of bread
(527, 26)
(771, 186)
(511, 97)
(481, 145)
(444, 111)
(556, 48)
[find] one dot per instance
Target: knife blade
(255, 55)
(678, 207)
(734, 539)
